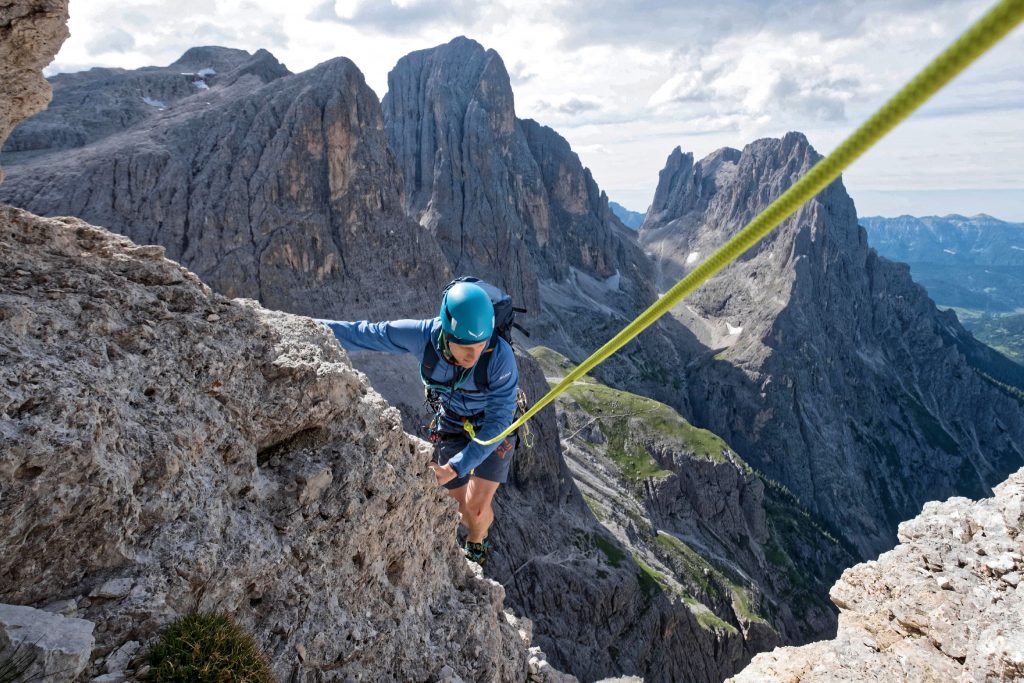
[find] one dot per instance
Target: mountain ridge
(817, 313)
(589, 282)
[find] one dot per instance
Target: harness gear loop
(523, 431)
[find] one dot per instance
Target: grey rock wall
(509, 200)
(944, 605)
(31, 33)
(698, 550)
(165, 449)
(828, 367)
(447, 112)
(270, 186)
(40, 645)
(90, 105)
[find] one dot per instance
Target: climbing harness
(973, 43)
(477, 552)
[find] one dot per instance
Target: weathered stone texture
(267, 185)
(828, 368)
(31, 33)
(944, 605)
(164, 449)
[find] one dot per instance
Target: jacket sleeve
(503, 377)
(395, 336)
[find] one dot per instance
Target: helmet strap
(442, 343)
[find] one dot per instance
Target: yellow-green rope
(974, 42)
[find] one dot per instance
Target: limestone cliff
(723, 562)
(31, 32)
(508, 198)
(165, 449)
(944, 605)
(827, 366)
(267, 185)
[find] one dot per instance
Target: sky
(626, 82)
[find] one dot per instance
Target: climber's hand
(443, 473)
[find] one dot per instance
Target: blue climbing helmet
(467, 314)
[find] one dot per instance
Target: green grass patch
(618, 407)
(207, 648)
(551, 362)
(711, 580)
(651, 580)
(614, 554)
(742, 604)
(616, 410)
(691, 565)
(643, 525)
(595, 507)
(708, 620)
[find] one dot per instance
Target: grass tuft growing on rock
(14, 662)
(207, 648)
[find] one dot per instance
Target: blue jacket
(498, 403)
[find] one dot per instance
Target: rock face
(631, 219)
(944, 605)
(282, 187)
(166, 449)
(90, 105)
(42, 645)
(31, 33)
(509, 200)
(828, 367)
(317, 135)
(699, 553)
(271, 186)
(506, 198)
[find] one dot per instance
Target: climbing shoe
(477, 552)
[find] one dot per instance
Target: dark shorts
(493, 468)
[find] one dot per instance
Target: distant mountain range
(974, 265)
(631, 219)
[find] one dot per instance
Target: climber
(471, 377)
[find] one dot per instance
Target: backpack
(504, 321)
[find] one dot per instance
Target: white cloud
(114, 40)
(571, 106)
(592, 149)
(399, 17)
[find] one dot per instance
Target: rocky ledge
(166, 450)
(944, 605)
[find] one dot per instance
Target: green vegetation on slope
(207, 647)
(1003, 332)
(651, 580)
(653, 417)
(793, 536)
(551, 362)
(717, 584)
(633, 427)
(626, 418)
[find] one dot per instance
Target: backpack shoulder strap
(480, 375)
(430, 360)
